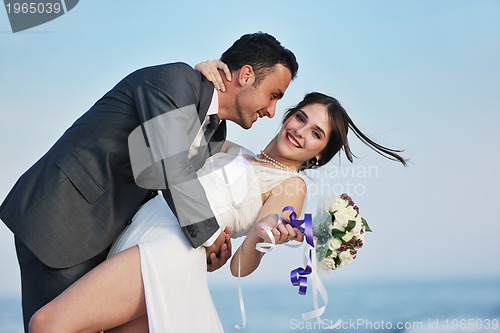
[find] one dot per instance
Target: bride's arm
(290, 192)
(210, 70)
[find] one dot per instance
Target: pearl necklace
(272, 161)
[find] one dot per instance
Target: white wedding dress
(174, 274)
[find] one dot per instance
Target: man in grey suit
(68, 208)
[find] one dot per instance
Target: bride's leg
(139, 325)
(110, 295)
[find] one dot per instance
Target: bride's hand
(210, 70)
(282, 231)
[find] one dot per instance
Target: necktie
(212, 126)
(204, 150)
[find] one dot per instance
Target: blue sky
(417, 75)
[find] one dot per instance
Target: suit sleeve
(167, 102)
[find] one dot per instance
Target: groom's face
(258, 101)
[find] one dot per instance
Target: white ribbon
(266, 247)
(317, 285)
(240, 297)
(261, 247)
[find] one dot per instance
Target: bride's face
(305, 134)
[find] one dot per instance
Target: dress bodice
(234, 184)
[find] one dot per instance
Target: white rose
(338, 226)
(339, 204)
(334, 244)
(345, 257)
(328, 263)
(348, 236)
(350, 212)
(357, 229)
(341, 219)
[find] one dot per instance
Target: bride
(154, 281)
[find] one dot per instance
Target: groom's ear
(246, 76)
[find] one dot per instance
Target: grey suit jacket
(74, 202)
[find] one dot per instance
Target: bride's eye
(299, 117)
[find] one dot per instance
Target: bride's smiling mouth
(292, 140)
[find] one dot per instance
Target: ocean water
(460, 305)
(10, 315)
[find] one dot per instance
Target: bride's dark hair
(340, 123)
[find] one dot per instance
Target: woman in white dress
(155, 281)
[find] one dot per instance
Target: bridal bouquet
(340, 232)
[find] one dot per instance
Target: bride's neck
(272, 153)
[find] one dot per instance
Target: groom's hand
(220, 251)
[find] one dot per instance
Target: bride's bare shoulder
(230, 147)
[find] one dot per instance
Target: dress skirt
(174, 273)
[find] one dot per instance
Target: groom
(68, 208)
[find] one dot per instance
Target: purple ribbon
(298, 276)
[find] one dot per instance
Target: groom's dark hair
(261, 51)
